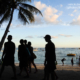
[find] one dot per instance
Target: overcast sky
(61, 20)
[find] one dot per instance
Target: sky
(61, 20)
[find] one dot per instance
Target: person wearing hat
(50, 58)
(8, 56)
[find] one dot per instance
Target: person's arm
(14, 48)
(45, 56)
(18, 53)
(54, 52)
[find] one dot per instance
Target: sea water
(60, 54)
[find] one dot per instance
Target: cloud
(68, 35)
(61, 5)
(76, 21)
(29, 37)
(75, 11)
(43, 36)
(50, 14)
(11, 24)
(38, 19)
(71, 14)
(39, 5)
(65, 35)
(54, 36)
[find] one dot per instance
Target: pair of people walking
(25, 57)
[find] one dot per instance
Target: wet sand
(63, 72)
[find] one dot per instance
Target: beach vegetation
(25, 13)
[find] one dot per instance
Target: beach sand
(63, 72)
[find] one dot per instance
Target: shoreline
(58, 67)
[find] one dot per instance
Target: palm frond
(6, 16)
(22, 17)
(30, 8)
(23, 0)
(28, 14)
(3, 8)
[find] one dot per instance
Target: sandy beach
(64, 73)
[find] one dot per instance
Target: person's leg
(26, 69)
(21, 69)
(47, 75)
(30, 66)
(34, 66)
(2, 69)
(14, 70)
(53, 75)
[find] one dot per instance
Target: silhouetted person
(31, 58)
(50, 58)
(63, 61)
(29, 55)
(8, 56)
(72, 61)
(23, 58)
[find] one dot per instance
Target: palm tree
(25, 14)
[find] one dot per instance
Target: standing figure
(72, 61)
(23, 58)
(63, 61)
(50, 58)
(31, 58)
(8, 55)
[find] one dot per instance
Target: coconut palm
(25, 14)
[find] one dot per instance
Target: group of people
(25, 57)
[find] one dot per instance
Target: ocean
(60, 54)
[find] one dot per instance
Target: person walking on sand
(23, 58)
(72, 61)
(31, 58)
(62, 60)
(50, 58)
(8, 56)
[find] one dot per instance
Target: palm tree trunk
(6, 31)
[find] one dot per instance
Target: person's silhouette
(23, 58)
(72, 61)
(63, 61)
(8, 55)
(31, 58)
(50, 58)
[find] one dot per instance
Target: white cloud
(65, 35)
(75, 11)
(71, 14)
(54, 36)
(39, 5)
(61, 34)
(50, 14)
(50, 10)
(11, 24)
(76, 21)
(68, 35)
(38, 19)
(61, 5)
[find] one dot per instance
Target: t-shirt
(50, 52)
